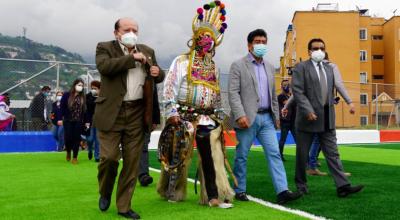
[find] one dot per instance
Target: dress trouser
(328, 144)
(286, 126)
(72, 136)
(127, 131)
(144, 159)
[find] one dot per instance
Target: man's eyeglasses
(318, 48)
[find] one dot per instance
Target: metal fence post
(58, 77)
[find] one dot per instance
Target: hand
(352, 108)
(278, 124)
(12, 116)
(60, 123)
(154, 71)
(311, 116)
(174, 120)
(154, 127)
(243, 122)
(284, 112)
(139, 57)
(87, 125)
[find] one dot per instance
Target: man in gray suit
(312, 86)
(254, 111)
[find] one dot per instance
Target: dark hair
(116, 25)
(313, 41)
(72, 92)
(285, 80)
(95, 83)
(326, 56)
(45, 88)
(256, 33)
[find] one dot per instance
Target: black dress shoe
(287, 196)
(129, 214)
(96, 160)
(346, 190)
(104, 203)
(145, 180)
(241, 196)
(303, 190)
(90, 155)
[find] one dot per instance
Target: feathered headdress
(211, 18)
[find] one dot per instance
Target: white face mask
(94, 92)
(318, 55)
(129, 39)
(78, 88)
(58, 98)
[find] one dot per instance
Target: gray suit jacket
(243, 91)
(307, 94)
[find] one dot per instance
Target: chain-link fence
(377, 106)
(22, 80)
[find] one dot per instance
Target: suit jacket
(37, 106)
(307, 94)
(113, 66)
(243, 91)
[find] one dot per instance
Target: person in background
(56, 120)
(73, 107)
(6, 118)
(287, 120)
(144, 176)
(39, 112)
(91, 139)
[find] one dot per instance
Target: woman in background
(73, 107)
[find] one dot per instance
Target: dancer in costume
(193, 109)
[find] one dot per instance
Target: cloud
(78, 25)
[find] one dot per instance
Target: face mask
(78, 88)
(286, 88)
(205, 44)
(259, 50)
(46, 94)
(94, 92)
(129, 39)
(318, 55)
(58, 98)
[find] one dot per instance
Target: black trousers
(207, 163)
(285, 128)
(72, 136)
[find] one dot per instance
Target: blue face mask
(259, 50)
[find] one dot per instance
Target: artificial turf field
(45, 186)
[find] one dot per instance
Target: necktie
(323, 83)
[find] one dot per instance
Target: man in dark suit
(127, 70)
(39, 112)
(312, 86)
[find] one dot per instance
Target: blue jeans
(93, 141)
(58, 134)
(314, 153)
(262, 128)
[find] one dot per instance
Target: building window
(364, 99)
(363, 34)
(378, 76)
(363, 55)
(377, 37)
(377, 57)
(363, 77)
(363, 120)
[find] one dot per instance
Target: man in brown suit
(127, 71)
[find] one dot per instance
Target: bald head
(125, 22)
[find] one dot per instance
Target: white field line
(268, 204)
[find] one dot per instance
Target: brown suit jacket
(113, 66)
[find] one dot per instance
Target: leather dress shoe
(287, 196)
(145, 180)
(316, 172)
(129, 214)
(346, 190)
(241, 196)
(104, 203)
(303, 190)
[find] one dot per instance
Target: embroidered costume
(192, 96)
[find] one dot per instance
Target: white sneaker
(225, 205)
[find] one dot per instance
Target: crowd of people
(117, 116)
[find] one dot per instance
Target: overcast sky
(165, 25)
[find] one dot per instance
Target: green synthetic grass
(45, 186)
(375, 166)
